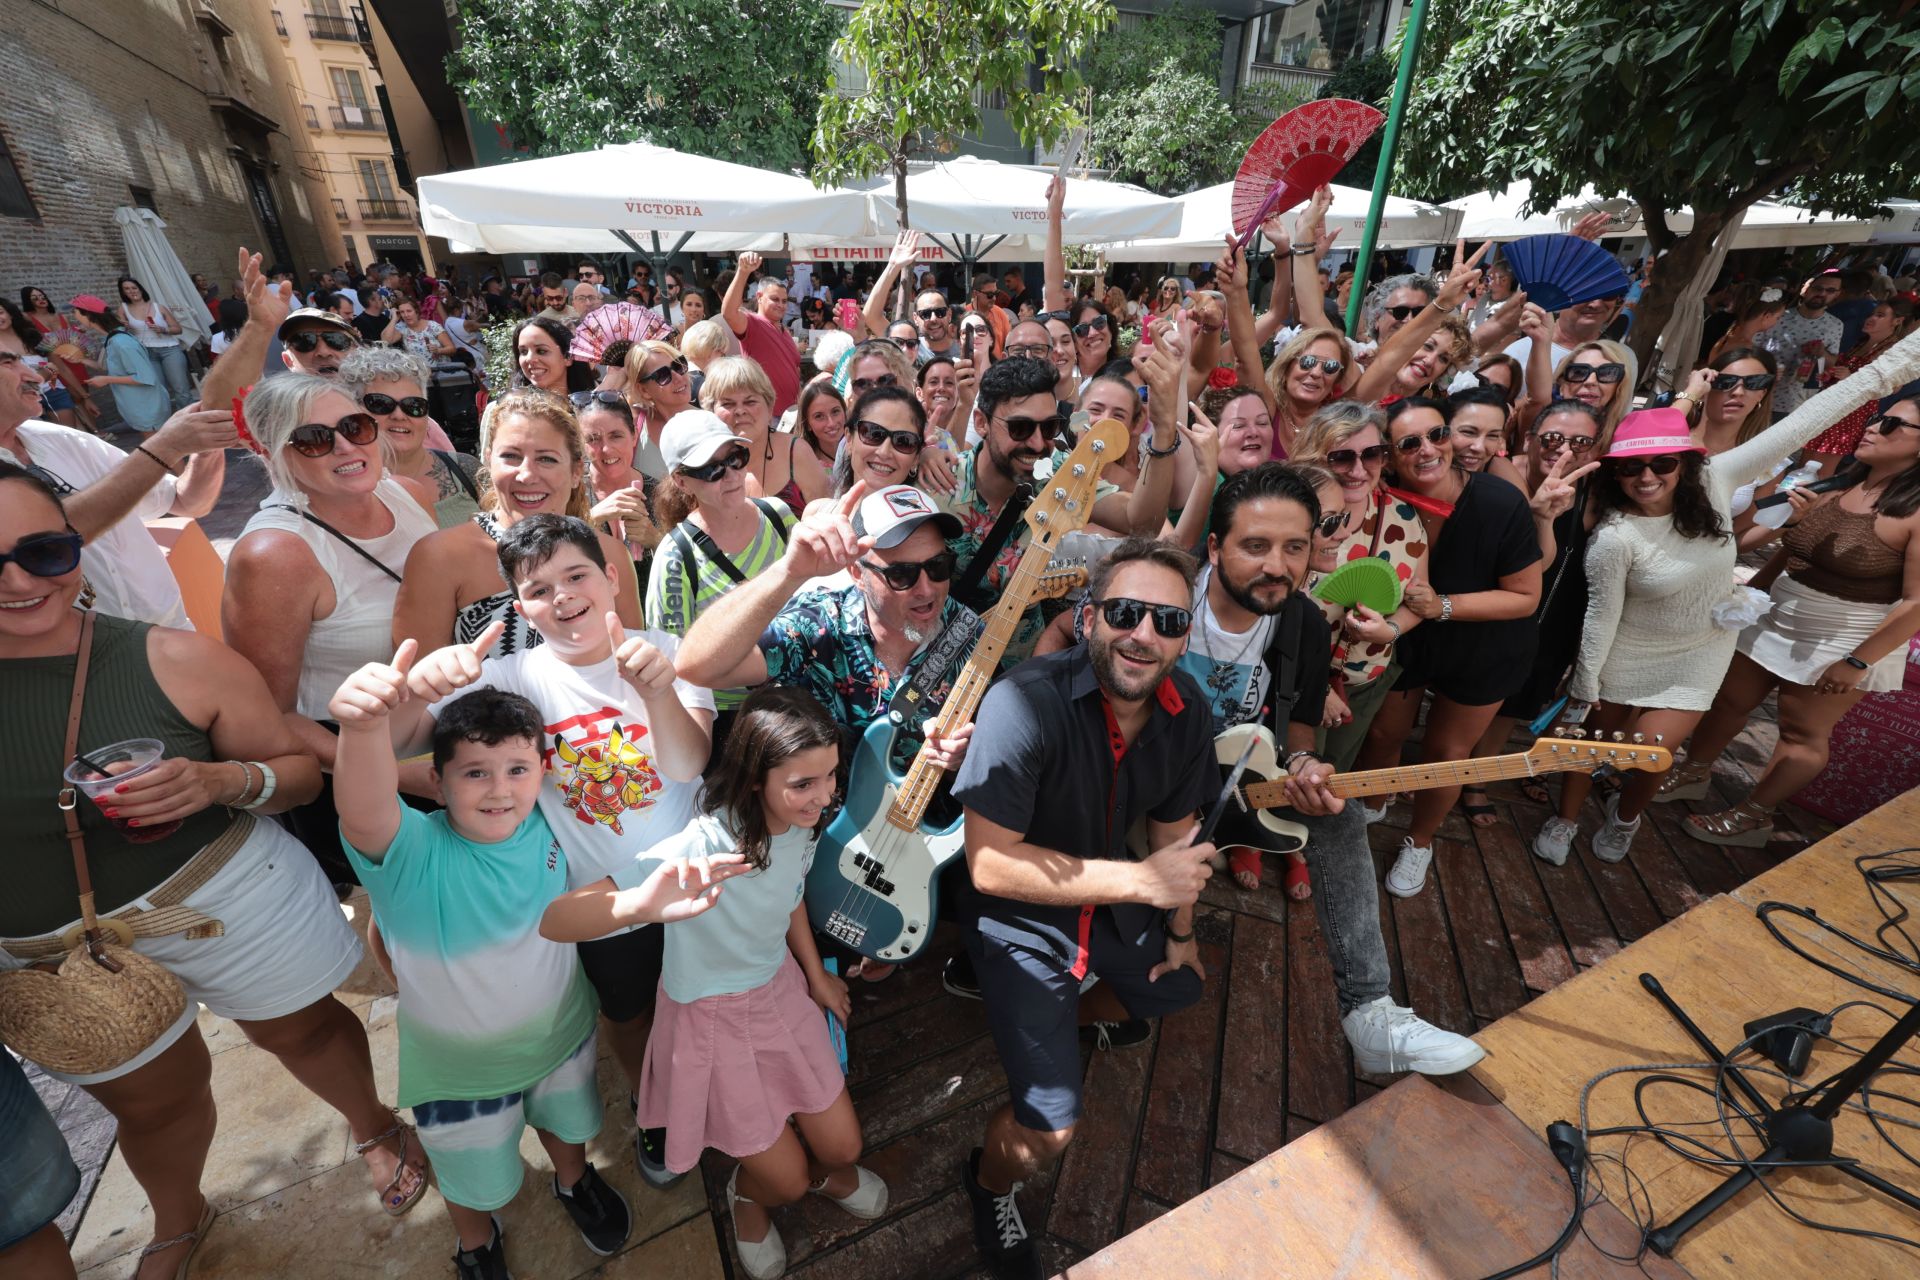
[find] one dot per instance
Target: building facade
(177, 105)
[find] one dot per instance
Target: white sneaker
(1612, 841)
(867, 1200)
(1375, 815)
(1555, 841)
(760, 1259)
(1409, 874)
(1388, 1038)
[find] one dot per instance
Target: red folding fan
(1300, 151)
(615, 322)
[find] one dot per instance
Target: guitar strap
(1282, 659)
(954, 641)
(968, 583)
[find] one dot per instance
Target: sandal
(394, 1201)
(191, 1239)
(1244, 862)
(1536, 791)
(1746, 825)
(1480, 815)
(870, 970)
(1689, 781)
(1295, 883)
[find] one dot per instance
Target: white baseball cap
(691, 438)
(891, 515)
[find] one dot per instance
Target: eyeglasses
(933, 313)
(581, 399)
(1096, 325)
(315, 439)
(863, 385)
(1554, 439)
(1307, 364)
(44, 555)
(904, 575)
(306, 340)
(1347, 457)
(1664, 464)
(1404, 314)
(1886, 424)
(1751, 381)
(1022, 428)
(1123, 614)
(376, 403)
(1030, 351)
(1608, 373)
(731, 461)
(874, 434)
(666, 373)
(1432, 435)
(1333, 523)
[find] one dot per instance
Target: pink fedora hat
(1650, 431)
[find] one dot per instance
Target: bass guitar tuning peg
(1659, 738)
(1618, 736)
(1639, 738)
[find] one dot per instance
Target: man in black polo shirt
(1068, 751)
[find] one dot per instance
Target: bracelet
(1446, 608)
(1181, 938)
(1300, 250)
(1168, 452)
(140, 448)
(1396, 630)
(246, 785)
(266, 790)
(1287, 764)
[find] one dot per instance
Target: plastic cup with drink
(97, 772)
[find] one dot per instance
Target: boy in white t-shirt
(624, 744)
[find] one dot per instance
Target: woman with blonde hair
(657, 387)
(739, 392)
(705, 342)
(1600, 374)
(1309, 371)
(533, 462)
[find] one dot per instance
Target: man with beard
(1804, 336)
(1073, 748)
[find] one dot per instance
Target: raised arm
(1054, 294)
(906, 247)
(1744, 462)
(1411, 336)
(733, 304)
(366, 773)
(1280, 304)
(240, 365)
(1311, 229)
(1148, 503)
(195, 437)
(1231, 272)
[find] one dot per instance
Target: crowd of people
(575, 707)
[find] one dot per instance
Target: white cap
(691, 438)
(891, 515)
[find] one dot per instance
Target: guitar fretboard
(1445, 773)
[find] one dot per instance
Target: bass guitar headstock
(1064, 500)
(1061, 578)
(1583, 751)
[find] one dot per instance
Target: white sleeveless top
(153, 335)
(360, 628)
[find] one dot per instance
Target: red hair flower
(240, 424)
(1221, 379)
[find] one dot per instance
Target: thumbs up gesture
(372, 692)
(640, 664)
(446, 671)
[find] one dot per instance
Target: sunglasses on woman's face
(904, 575)
(1096, 325)
(1124, 614)
(1751, 381)
(1551, 440)
(315, 439)
(1432, 435)
(1664, 464)
(44, 555)
(376, 403)
(733, 460)
(1373, 453)
(1886, 424)
(1608, 373)
(1019, 429)
(306, 340)
(1332, 523)
(1307, 364)
(907, 344)
(872, 433)
(666, 373)
(863, 385)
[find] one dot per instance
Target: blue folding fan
(1560, 271)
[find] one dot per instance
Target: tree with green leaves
(736, 80)
(1713, 104)
(923, 67)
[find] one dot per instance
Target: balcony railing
(1305, 81)
(331, 26)
(339, 208)
(357, 119)
(312, 117)
(385, 210)
(279, 22)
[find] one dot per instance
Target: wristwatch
(1858, 664)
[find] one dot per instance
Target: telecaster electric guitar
(872, 885)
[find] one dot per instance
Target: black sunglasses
(1554, 439)
(1404, 314)
(1333, 523)
(933, 313)
(903, 575)
(1023, 428)
(731, 461)
(1432, 435)
(1347, 457)
(377, 403)
(665, 373)
(1064, 317)
(1752, 381)
(306, 340)
(581, 399)
(1123, 614)
(1664, 464)
(907, 344)
(44, 555)
(315, 439)
(874, 434)
(863, 385)
(1887, 424)
(1097, 324)
(1608, 373)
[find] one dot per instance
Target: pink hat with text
(1650, 431)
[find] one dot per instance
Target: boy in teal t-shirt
(496, 1022)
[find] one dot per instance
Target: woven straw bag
(106, 1002)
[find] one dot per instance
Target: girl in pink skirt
(739, 1045)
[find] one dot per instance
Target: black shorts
(625, 971)
(1033, 1008)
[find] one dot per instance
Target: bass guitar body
(1262, 829)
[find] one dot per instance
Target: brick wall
(103, 95)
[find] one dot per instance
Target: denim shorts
(37, 1173)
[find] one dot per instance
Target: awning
(1207, 218)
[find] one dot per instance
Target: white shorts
(287, 943)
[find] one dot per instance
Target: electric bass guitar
(872, 885)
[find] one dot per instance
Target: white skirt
(1807, 631)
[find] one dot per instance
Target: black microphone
(1844, 478)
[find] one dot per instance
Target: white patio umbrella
(1207, 218)
(1496, 215)
(1769, 225)
(152, 261)
(1900, 225)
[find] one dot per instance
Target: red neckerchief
(1432, 506)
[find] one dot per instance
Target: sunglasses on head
(1664, 464)
(306, 340)
(1023, 428)
(44, 555)
(376, 403)
(1432, 435)
(1333, 523)
(1608, 373)
(666, 373)
(315, 439)
(581, 399)
(733, 460)
(1347, 457)
(904, 575)
(1751, 381)
(1064, 317)
(874, 434)
(1097, 324)
(1307, 364)
(1886, 424)
(1123, 614)
(1404, 314)
(863, 385)
(933, 313)
(1554, 439)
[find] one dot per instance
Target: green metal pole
(1382, 175)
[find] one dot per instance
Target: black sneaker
(958, 977)
(650, 1153)
(1117, 1035)
(598, 1210)
(998, 1230)
(489, 1262)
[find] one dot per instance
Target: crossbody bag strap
(69, 800)
(1282, 660)
(708, 548)
(459, 473)
(773, 518)
(358, 550)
